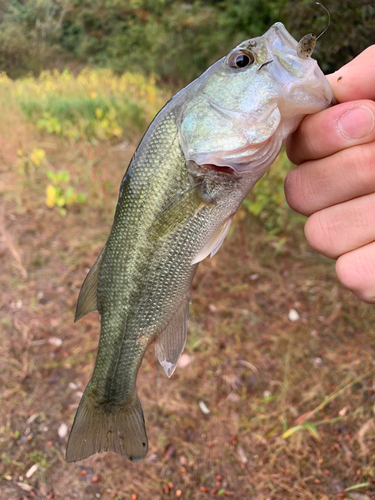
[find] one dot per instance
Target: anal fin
(215, 242)
(171, 342)
(87, 301)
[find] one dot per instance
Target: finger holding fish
(334, 183)
(344, 139)
(319, 135)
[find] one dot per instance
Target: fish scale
(197, 161)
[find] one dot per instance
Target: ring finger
(315, 185)
(342, 228)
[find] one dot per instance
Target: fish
(197, 161)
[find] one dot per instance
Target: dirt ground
(291, 403)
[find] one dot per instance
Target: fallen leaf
(169, 451)
(344, 411)
(31, 471)
(293, 315)
(25, 487)
(241, 454)
(318, 362)
(63, 430)
(31, 419)
(204, 408)
(55, 341)
(184, 361)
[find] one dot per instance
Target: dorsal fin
(87, 301)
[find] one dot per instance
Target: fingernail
(356, 123)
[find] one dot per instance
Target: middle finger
(315, 185)
(342, 228)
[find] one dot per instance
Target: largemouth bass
(199, 158)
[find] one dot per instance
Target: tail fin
(118, 429)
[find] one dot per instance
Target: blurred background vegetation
(101, 69)
(174, 39)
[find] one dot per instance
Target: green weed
(37, 457)
(267, 200)
(27, 163)
(59, 193)
(96, 104)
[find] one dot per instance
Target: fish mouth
(223, 170)
(245, 161)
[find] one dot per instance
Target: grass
(291, 403)
(95, 104)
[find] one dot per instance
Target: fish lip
(279, 27)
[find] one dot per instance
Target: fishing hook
(307, 43)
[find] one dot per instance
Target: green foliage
(29, 162)
(95, 104)
(29, 35)
(78, 117)
(37, 457)
(174, 39)
(59, 193)
(267, 200)
(352, 28)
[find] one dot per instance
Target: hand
(334, 184)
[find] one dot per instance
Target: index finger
(355, 80)
(321, 135)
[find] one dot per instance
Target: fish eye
(240, 59)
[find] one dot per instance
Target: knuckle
(357, 274)
(291, 148)
(292, 188)
(363, 160)
(301, 145)
(299, 192)
(321, 233)
(367, 103)
(346, 273)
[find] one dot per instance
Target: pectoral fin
(171, 342)
(214, 243)
(87, 301)
(179, 209)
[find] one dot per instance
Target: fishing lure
(307, 43)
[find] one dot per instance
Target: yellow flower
(117, 131)
(51, 196)
(37, 156)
